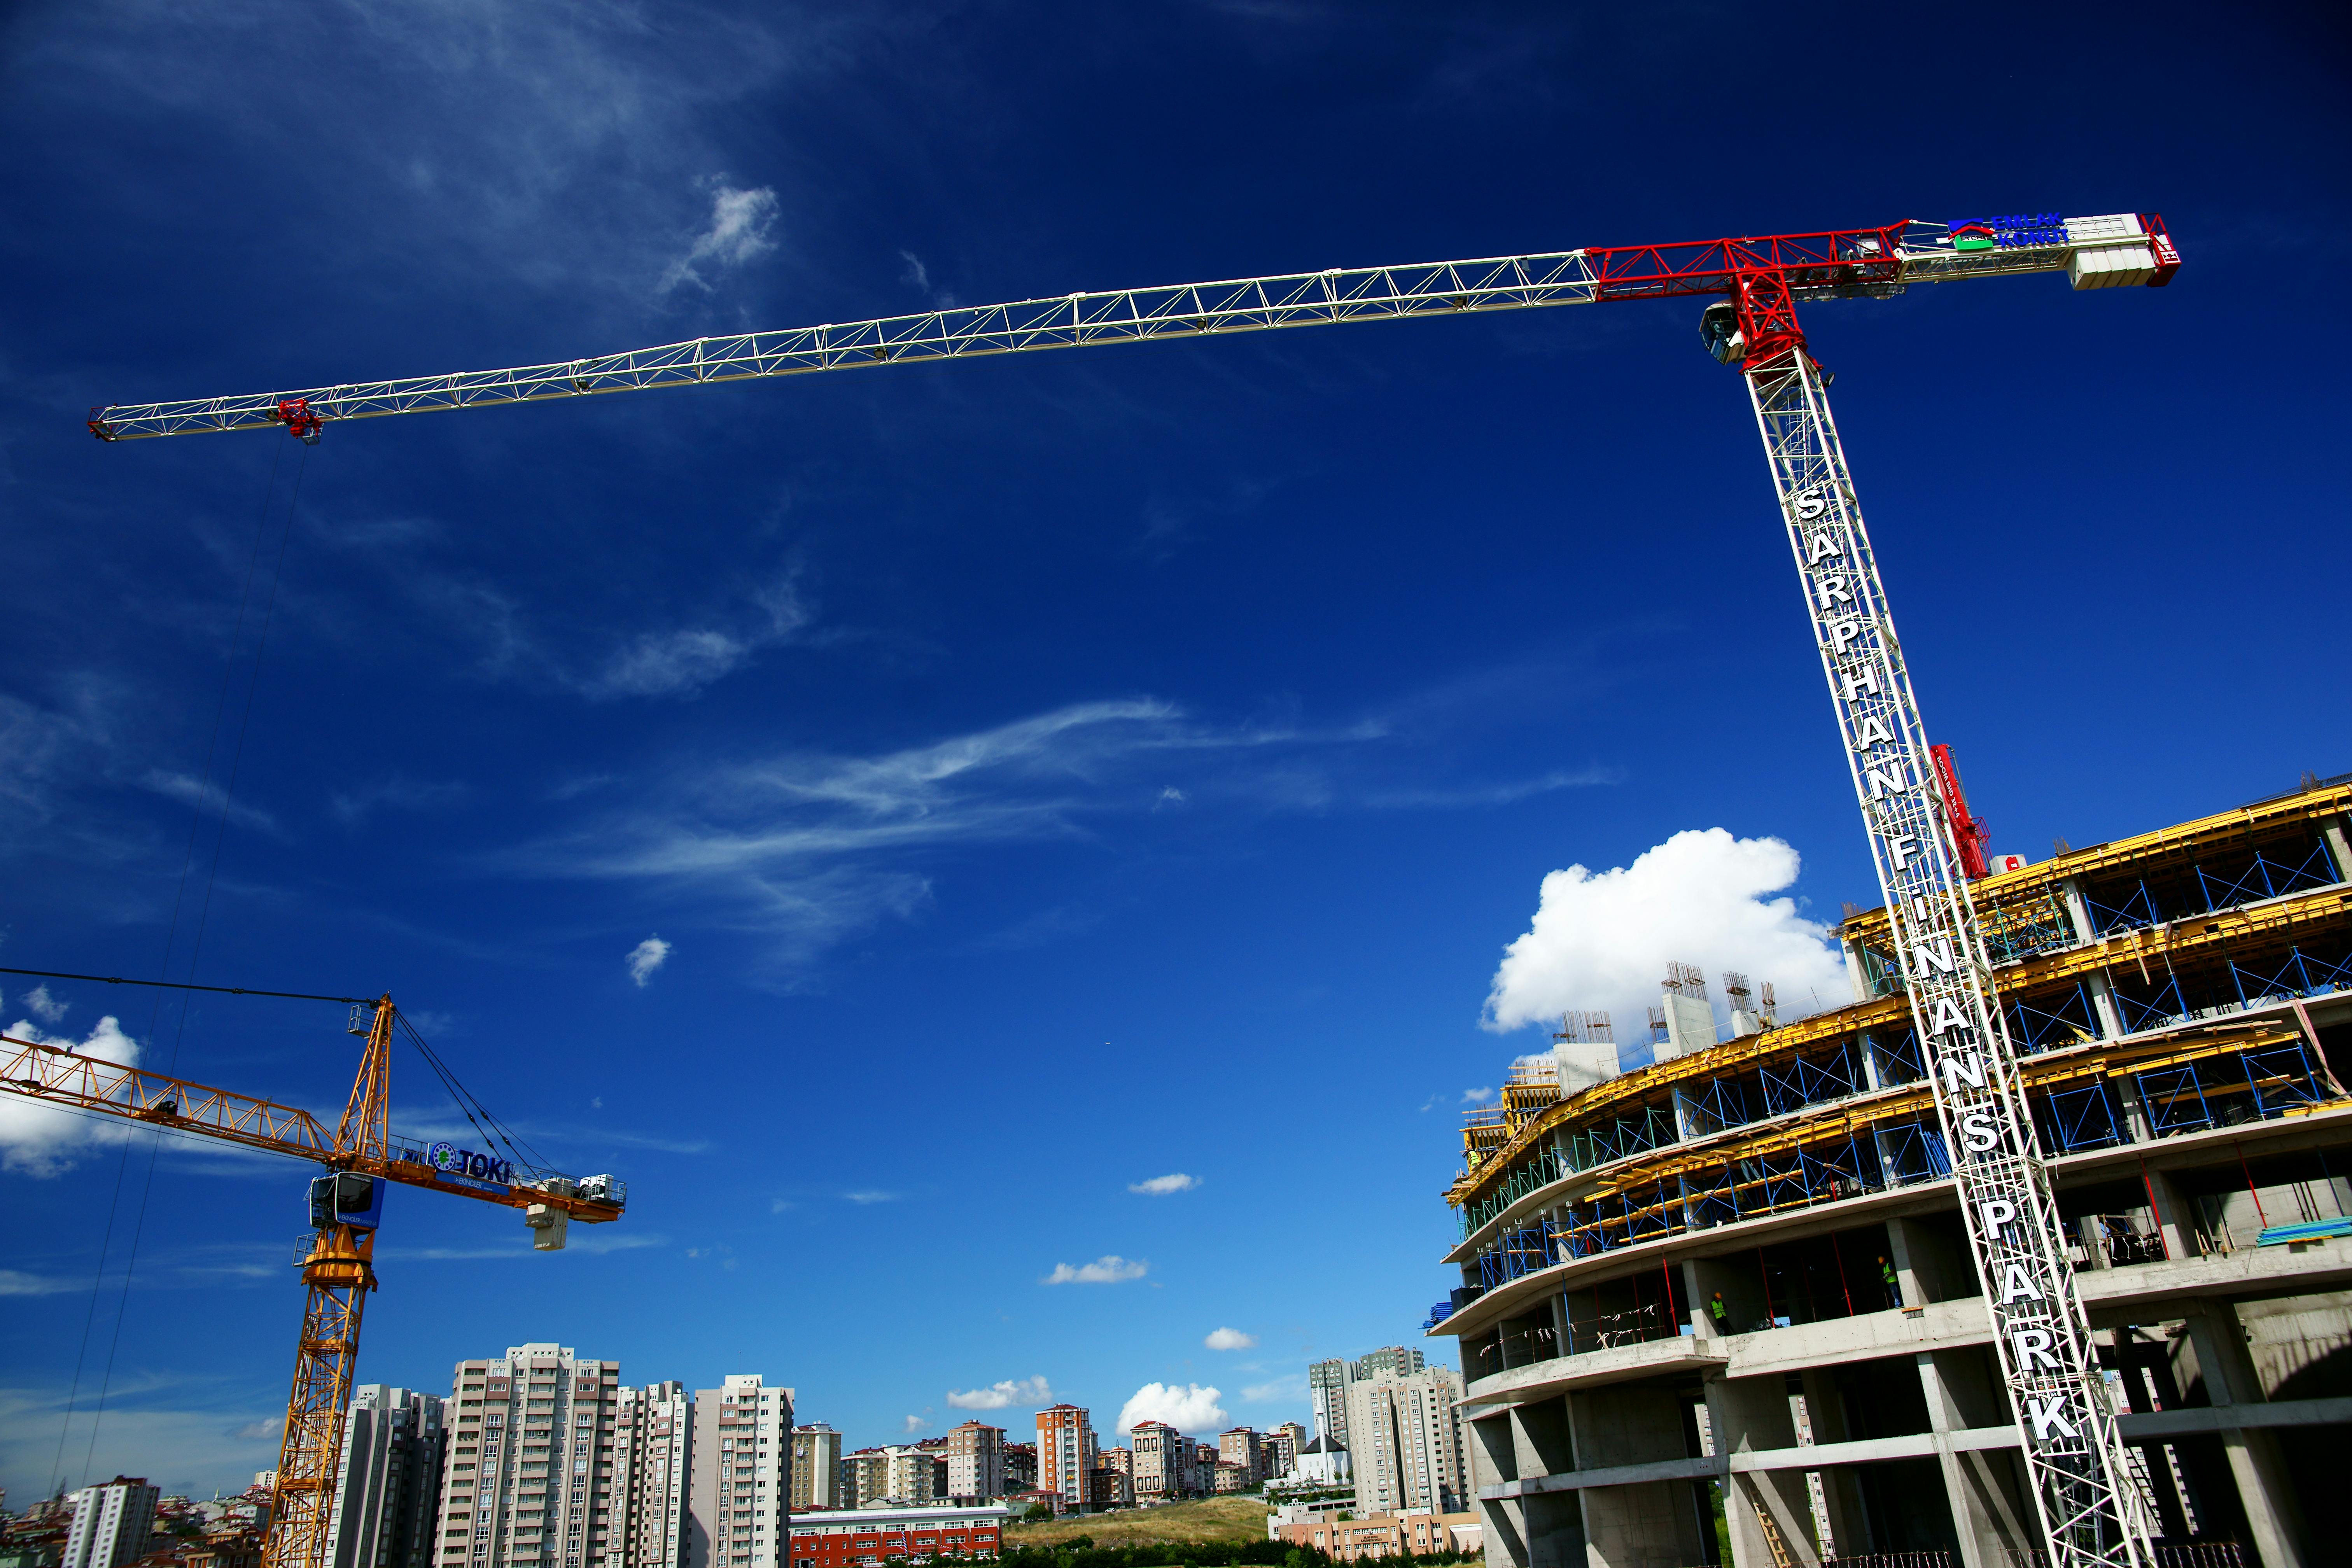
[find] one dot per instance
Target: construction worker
(1720, 1313)
(1893, 1286)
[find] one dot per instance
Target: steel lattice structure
(2092, 1517)
(2090, 1513)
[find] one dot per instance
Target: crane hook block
(295, 415)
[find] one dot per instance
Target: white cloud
(1230, 1340)
(645, 958)
(739, 229)
(1109, 1269)
(1161, 1186)
(871, 1195)
(914, 1424)
(38, 1140)
(1476, 1096)
(208, 798)
(45, 1007)
(13, 1282)
(1189, 1408)
(1603, 941)
(1034, 1392)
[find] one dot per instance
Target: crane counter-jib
(2097, 251)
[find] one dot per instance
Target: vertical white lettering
(1948, 1017)
(1936, 954)
(1964, 1067)
(1995, 1213)
(1901, 848)
(1980, 1135)
(1843, 633)
(1865, 680)
(2032, 1348)
(1834, 593)
(2018, 1286)
(2049, 1418)
(1882, 782)
(1810, 504)
(1873, 729)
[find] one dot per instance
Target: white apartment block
(527, 1482)
(740, 1504)
(653, 1439)
(816, 1468)
(111, 1524)
(1406, 1442)
(388, 1481)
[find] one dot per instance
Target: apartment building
(1283, 1444)
(111, 1524)
(1327, 1392)
(1158, 1467)
(1242, 1447)
(1019, 1467)
(739, 1499)
(524, 1481)
(1065, 1453)
(816, 1468)
(1408, 1451)
(387, 1481)
(975, 1462)
(653, 1441)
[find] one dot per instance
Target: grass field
(1205, 1519)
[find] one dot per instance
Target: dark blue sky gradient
(1294, 660)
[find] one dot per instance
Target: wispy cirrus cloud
(810, 847)
(1109, 1269)
(1161, 1186)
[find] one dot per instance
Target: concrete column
(1651, 1525)
(1928, 1265)
(2103, 1005)
(2172, 1215)
(2135, 1123)
(2339, 847)
(2078, 907)
(1857, 974)
(1991, 1513)
(2264, 1490)
(1747, 1414)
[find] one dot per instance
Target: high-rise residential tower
(388, 1481)
(523, 1482)
(1065, 1453)
(652, 1444)
(816, 1468)
(1326, 1390)
(1407, 1441)
(741, 1500)
(111, 1524)
(975, 1462)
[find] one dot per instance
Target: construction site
(1738, 1280)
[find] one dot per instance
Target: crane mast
(2090, 1515)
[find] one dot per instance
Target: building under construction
(1734, 1282)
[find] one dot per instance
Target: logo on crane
(452, 1160)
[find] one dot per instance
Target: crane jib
(1866, 262)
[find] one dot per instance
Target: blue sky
(1057, 773)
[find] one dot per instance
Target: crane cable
(469, 1105)
(227, 800)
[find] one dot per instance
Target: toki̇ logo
(452, 1160)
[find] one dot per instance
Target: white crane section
(1925, 251)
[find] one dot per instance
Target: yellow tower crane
(361, 1154)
